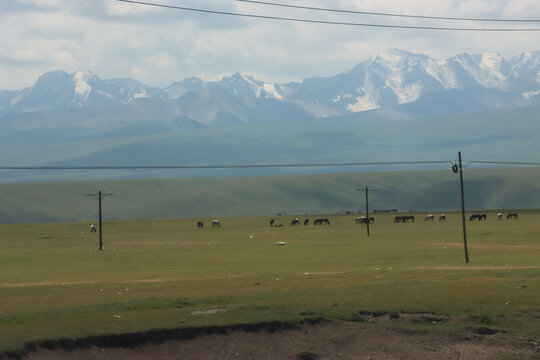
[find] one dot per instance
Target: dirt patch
(315, 340)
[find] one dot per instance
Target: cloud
(159, 46)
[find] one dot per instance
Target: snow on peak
(141, 94)
(271, 91)
(484, 68)
(80, 79)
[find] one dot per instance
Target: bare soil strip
(278, 341)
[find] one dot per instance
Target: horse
(295, 222)
(321, 221)
(442, 217)
(478, 217)
(200, 224)
(93, 228)
(430, 217)
(499, 216)
(306, 222)
(216, 223)
(513, 215)
(403, 218)
(364, 220)
(272, 222)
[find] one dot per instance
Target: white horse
(92, 228)
(216, 223)
(430, 217)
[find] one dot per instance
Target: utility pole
(366, 190)
(455, 169)
(100, 195)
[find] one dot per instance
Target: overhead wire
(385, 14)
(253, 166)
(343, 23)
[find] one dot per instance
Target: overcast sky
(158, 46)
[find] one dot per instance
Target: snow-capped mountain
(60, 90)
(391, 79)
(398, 77)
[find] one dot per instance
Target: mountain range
(395, 106)
(393, 78)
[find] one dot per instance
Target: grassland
(155, 274)
(495, 188)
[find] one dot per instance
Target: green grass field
(155, 274)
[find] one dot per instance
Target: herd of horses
(366, 220)
(215, 223)
(483, 216)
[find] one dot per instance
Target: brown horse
(478, 217)
(513, 215)
(403, 218)
(321, 221)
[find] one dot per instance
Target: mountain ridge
(393, 77)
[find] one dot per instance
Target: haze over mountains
(79, 118)
(389, 79)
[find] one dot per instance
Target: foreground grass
(55, 283)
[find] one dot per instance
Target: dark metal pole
(100, 227)
(367, 211)
(100, 195)
(463, 209)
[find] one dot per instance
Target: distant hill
(503, 135)
(509, 188)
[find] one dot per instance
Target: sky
(158, 46)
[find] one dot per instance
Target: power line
(386, 14)
(504, 162)
(254, 166)
(329, 22)
(237, 166)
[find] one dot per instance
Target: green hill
(495, 188)
(503, 135)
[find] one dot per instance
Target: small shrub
(355, 317)
(394, 315)
(306, 355)
(484, 330)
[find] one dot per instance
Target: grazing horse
(499, 216)
(403, 218)
(442, 217)
(93, 228)
(272, 222)
(513, 215)
(200, 224)
(478, 217)
(364, 220)
(430, 217)
(216, 223)
(295, 222)
(306, 222)
(321, 221)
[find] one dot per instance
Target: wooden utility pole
(100, 195)
(366, 190)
